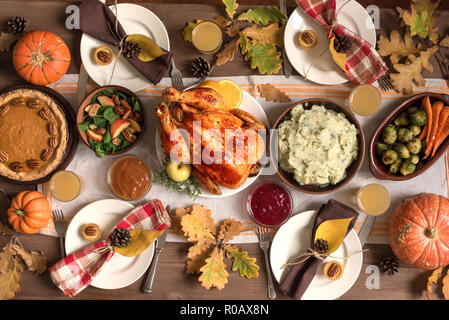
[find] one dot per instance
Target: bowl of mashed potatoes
(319, 146)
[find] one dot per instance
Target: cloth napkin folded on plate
(299, 276)
(363, 64)
(98, 21)
(75, 272)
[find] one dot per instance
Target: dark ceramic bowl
(351, 171)
(87, 100)
(377, 168)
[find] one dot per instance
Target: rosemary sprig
(190, 186)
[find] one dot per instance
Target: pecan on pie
(33, 135)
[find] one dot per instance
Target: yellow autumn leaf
(397, 47)
(339, 58)
(333, 231)
(140, 240)
(227, 54)
(11, 280)
(445, 41)
(229, 229)
(149, 50)
(199, 224)
(197, 255)
(433, 278)
(187, 31)
(272, 93)
(35, 261)
(213, 273)
(271, 34)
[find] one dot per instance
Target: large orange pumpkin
(29, 212)
(419, 231)
(41, 57)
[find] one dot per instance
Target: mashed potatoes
(317, 145)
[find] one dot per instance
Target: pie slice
(33, 135)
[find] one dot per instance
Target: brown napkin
(98, 21)
(299, 276)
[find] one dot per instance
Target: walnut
(92, 109)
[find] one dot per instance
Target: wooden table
(171, 281)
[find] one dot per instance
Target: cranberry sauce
(270, 204)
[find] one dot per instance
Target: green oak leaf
(246, 266)
(264, 57)
(263, 15)
(231, 6)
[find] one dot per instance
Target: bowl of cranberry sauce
(269, 204)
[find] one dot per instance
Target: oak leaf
(446, 285)
(233, 30)
(266, 35)
(422, 19)
(213, 273)
(176, 220)
(227, 54)
(198, 225)
(263, 15)
(272, 93)
(264, 57)
(411, 71)
(396, 47)
(35, 261)
(187, 31)
(445, 41)
(198, 254)
(230, 7)
(228, 230)
(6, 261)
(7, 39)
(11, 280)
(433, 278)
(222, 21)
(246, 266)
(5, 230)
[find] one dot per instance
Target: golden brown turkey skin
(199, 98)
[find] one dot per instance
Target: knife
(287, 65)
(366, 229)
(160, 244)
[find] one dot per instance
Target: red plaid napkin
(76, 271)
(363, 65)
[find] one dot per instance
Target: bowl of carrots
(411, 138)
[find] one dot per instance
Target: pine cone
(130, 49)
(389, 265)
(200, 68)
(120, 237)
(321, 246)
(17, 25)
(342, 44)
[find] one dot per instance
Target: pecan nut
(129, 136)
(53, 142)
(100, 131)
(116, 141)
(33, 163)
(3, 156)
(116, 100)
(137, 116)
(333, 270)
(16, 166)
(4, 110)
(46, 114)
(120, 110)
(53, 129)
(104, 56)
(46, 154)
(34, 103)
(90, 231)
(18, 102)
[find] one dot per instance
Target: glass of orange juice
(207, 37)
(373, 199)
(365, 100)
(66, 186)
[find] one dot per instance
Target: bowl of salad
(111, 120)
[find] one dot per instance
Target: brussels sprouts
(414, 146)
(394, 167)
(401, 151)
(412, 110)
(414, 158)
(415, 129)
(389, 134)
(381, 148)
(402, 120)
(389, 157)
(405, 135)
(418, 118)
(407, 168)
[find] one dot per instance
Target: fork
(60, 226)
(176, 77)
(385, 84)
(264, 244)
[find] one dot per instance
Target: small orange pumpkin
(29, 212)
(419, 231)
(41, 57)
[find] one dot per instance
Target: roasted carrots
(427, 107)
(443, 130)
(437, 107)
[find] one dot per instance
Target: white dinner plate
(134, 19)
(324, 69)
(120, 271)
(250, 105)
(293, 238)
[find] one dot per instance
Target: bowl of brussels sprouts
(411, 139)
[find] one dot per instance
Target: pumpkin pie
(33, 135)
